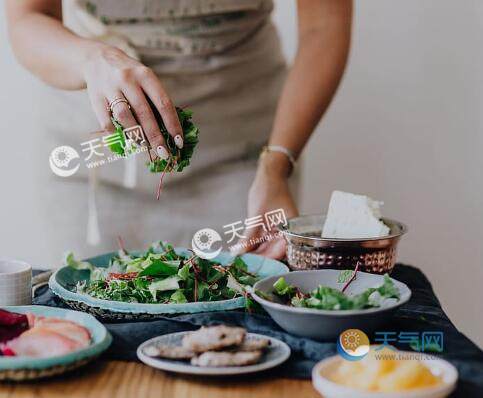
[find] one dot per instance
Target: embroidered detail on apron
(133, 11)
(179, 27)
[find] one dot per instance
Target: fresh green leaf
(388, 289)
(95, 273)
(184, 272)
(156, 267)
(178, 297)
(135, 265)
(203, 292)
(344, 276)
(118, 142)
(234, 284)
(282, 288)
(70, 261)
(180, 158)
(171, 283)
(327, 298)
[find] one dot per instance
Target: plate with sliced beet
(38, 341)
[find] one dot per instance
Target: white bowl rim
(446, 387)
(335, 313)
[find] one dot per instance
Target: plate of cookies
(213, 351)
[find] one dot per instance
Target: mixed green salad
(327, 298)
(162, 276)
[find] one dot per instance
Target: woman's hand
(110, 74)
(269, 191)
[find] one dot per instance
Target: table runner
(422, 313)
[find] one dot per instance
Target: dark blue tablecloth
(422, 313)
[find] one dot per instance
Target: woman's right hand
(109, 74)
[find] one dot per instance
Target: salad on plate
(160, 275)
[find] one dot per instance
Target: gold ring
(116, 101)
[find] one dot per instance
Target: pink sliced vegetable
(12, 325)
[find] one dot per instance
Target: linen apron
(219, 58)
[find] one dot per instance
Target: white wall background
(405, 127)
(19, 231)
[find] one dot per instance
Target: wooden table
(132, 380)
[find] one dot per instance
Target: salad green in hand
(162, 276)
(178, 158)
(327, 298)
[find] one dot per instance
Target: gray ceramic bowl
(325, 324)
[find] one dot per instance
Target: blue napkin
(422, 313)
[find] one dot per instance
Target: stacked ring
(116, 101)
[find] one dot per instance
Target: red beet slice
(8, 352)
(12, 325)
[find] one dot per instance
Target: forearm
(67, 61)
(312, 81)
(48, 49)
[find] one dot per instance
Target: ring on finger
(117, 101)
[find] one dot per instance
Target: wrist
(274, 165)
(93, 52)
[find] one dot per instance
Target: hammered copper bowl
(307, 250)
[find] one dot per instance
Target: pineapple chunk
(380, 371)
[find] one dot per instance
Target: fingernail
(178, 140)
(162, 152)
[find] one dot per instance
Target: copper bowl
(306, 249)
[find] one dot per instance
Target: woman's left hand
(269, 191)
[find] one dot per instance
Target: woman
(222, 59)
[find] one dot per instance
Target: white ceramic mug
(15, 283)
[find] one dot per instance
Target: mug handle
(40, 280)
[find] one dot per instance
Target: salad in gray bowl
(320, 304)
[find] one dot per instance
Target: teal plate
(18, 367)
(64, 280)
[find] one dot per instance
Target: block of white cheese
(352, 216)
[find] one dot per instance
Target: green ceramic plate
(64, 280)
(101, 340)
